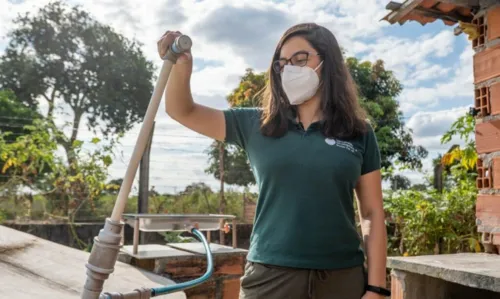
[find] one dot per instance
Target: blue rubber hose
(189, 284)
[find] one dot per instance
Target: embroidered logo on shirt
(330, 141)
(342, 144)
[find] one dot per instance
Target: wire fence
(176, 161)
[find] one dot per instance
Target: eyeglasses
(298, 59)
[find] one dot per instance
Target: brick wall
(487, 105)
(223, 284)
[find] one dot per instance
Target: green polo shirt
(305, 214)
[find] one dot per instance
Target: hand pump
(107, 244)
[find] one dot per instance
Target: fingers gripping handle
(180, 45)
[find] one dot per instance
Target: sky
(434, 66)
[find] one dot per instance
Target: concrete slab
(31, 267)
(153, 251)
(197, 247)
(477, 270)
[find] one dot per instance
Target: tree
(237, 170)
(14, 119)
(30, 165)
(197, 190)
(378, 88)
(25, 159)
(400, 182)
(14, 116)
(419, 187)
(64, 54)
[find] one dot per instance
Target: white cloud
(458, 83)
(405, 55)
(9, 10)
(428, 127)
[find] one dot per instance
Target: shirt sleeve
(371, 155)
(240, 124)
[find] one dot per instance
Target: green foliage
(25, 159)
(237, 170)
(26, 163)
(176, 237)
(246, 94)
(378, 88)
(399, 182)
(83, 180)
(30, 163)
(63, 53)
(425, 221)
(465, 155)
(196, 198)
(14, 115)
(3, 217)
(463, 127)
(431, 222)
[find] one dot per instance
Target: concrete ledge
(31, 267)
(475, 270)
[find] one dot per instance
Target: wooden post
(438, 178)
(142, 200)
(244, 206)
(235, 238)
(122, 234)
(222, 205)
(135, 245)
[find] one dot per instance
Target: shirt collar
(292, 120)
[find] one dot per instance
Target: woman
(310, 148)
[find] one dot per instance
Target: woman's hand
(184, 64)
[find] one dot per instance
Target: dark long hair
(343, 117)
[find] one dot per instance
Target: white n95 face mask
(300, 83)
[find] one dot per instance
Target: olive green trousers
(272, 282)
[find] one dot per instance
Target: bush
(432, 222)
(427, 222)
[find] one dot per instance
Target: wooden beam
(457, 30)
(393, 5)
(434, 13)
(404, 10)
(463, 3)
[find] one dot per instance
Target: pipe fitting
(141, 293)
(102, 258)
